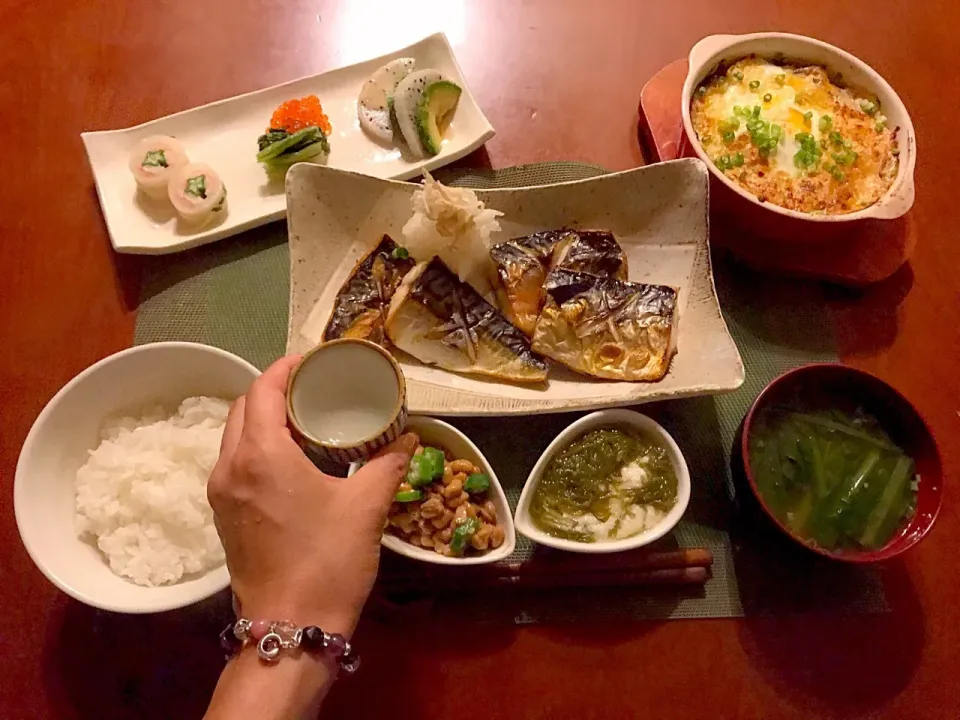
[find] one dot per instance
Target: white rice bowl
(141, 496)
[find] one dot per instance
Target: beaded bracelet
(273, 636)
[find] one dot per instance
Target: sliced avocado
(434, 112)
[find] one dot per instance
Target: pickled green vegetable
(458, 542)
(436, 461)
(405, 496)
(425, 467)
(477, 483)
(836, 480)
(585, 477)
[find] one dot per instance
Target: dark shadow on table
(397, 642)
(841, 664)
(867, 319)
(777, 310)
(105, 665)
(126, 268)
(479, 159)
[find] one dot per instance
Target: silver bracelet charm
(273, 637)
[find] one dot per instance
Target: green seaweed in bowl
(593, 489)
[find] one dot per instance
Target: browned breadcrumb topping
(826, 187)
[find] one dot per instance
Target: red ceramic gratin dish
(826, 384)
(767, 219)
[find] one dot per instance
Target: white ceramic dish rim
(31, 439)
(603, 418)
(504, 515)
(710, 51)
(220, 232)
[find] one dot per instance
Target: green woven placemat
(233, 294)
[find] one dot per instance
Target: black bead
(312, 638)
(228, 641)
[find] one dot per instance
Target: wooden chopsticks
(690, 566)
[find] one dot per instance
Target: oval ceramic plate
(658, 214)
(224, 135)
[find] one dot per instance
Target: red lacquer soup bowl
(837, 386)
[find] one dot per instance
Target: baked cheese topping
(792, 137)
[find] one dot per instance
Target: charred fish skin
(523, 265)
(361, 305)
(596, 252)
(445, 322)
(606, 327)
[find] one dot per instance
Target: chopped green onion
(808, 118)
(405, 496)
(737, 109)
(825, 123)
(400, 253)
(706, 139)
(754, 84)
(836, 138)
(762, 134)
(846, 157)
(808, 156)
(837, 173)
(780, 79)
(738, 75)
(768, 97)
(728, 137)
(730, 124)
(869, 107)
(880, 125)
(738, 160)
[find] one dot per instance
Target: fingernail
(408, 441)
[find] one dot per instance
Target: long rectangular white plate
(224, 135)
(658, 213)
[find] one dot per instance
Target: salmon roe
(300, 113)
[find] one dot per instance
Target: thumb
(379, 478)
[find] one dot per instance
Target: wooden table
(559, 79)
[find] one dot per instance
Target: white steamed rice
(142, 494)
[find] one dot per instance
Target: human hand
(300, 545)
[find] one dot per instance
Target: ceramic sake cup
(346, 400)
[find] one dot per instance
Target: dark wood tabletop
(560, 80)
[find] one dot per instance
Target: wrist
(331, 620)
(292, 688)
(271, 604)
